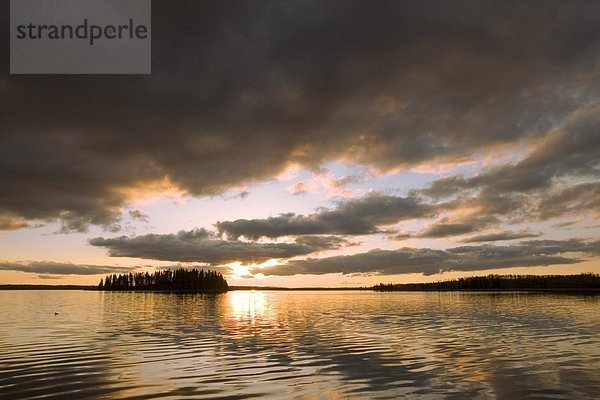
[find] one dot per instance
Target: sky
(311, 143)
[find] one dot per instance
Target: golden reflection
(249, 305)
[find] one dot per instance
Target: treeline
(502, 282)
(179, 280)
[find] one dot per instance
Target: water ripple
(290, 345)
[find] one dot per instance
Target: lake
(300, 344)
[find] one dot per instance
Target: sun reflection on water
(249, 305)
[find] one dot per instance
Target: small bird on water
(55, 313)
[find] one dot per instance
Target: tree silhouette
(181, 280)
(503, 282)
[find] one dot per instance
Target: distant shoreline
(231, 288)
(47, 287)
(587, 282)
(306, 289)
(580, 283)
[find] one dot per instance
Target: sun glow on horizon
(241, 271)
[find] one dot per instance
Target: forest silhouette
(194, 280)
(502, 282)
(182, 279)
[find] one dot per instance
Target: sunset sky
(305, 143)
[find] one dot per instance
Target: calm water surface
(298, 345)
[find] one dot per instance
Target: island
(180, 280)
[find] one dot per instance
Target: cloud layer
(558, 177)
(431, 261)
(57, 268)
(499, 236)
(352, 217)
(202, 246)
(239, 93)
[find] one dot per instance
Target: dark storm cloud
(431, 261)
(499, 236)
(202, 246)
(572, 150)
(558, 177)
(239, 91)
(56, 268)
(571, 200)
(323, 242)
(352, 217)
(444, 228)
